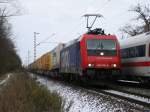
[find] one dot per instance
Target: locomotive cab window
(97, 47)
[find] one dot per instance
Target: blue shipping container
(70, 59)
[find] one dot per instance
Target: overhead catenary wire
(96, 12)
(43, 41)
(51, 42)
(107, 2)
(83, 12)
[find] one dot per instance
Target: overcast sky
(64, 19)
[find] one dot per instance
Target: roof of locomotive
(135, 40)
(90, 36)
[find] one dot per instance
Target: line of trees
(9, 59)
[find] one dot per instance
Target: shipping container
(55, 53)
(46, 62)
(71, 58)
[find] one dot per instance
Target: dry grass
(23, 94)
(3, 76)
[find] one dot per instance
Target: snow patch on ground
(5, 80)
(82, 100)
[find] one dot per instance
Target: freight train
(135, 54)
(93, 55)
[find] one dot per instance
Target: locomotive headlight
(114, 65)
(89, 65)
(102, 54)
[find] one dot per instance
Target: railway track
(134, 93)
(131, 88)
(136, 99)
(123, 92)
(127, 91)
(130, 95)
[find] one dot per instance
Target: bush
(23, 94)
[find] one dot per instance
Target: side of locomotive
(70, 58)
(135, 54)
(91, 55)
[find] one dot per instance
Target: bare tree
(143, 15)
(132, 30)
(9, 8)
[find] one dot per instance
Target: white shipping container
(55, 53)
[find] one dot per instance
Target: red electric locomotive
(93, 55)
(100, 54)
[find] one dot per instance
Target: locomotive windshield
(96, 47)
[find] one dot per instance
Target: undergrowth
(23, 94)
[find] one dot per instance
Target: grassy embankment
(23, 94)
